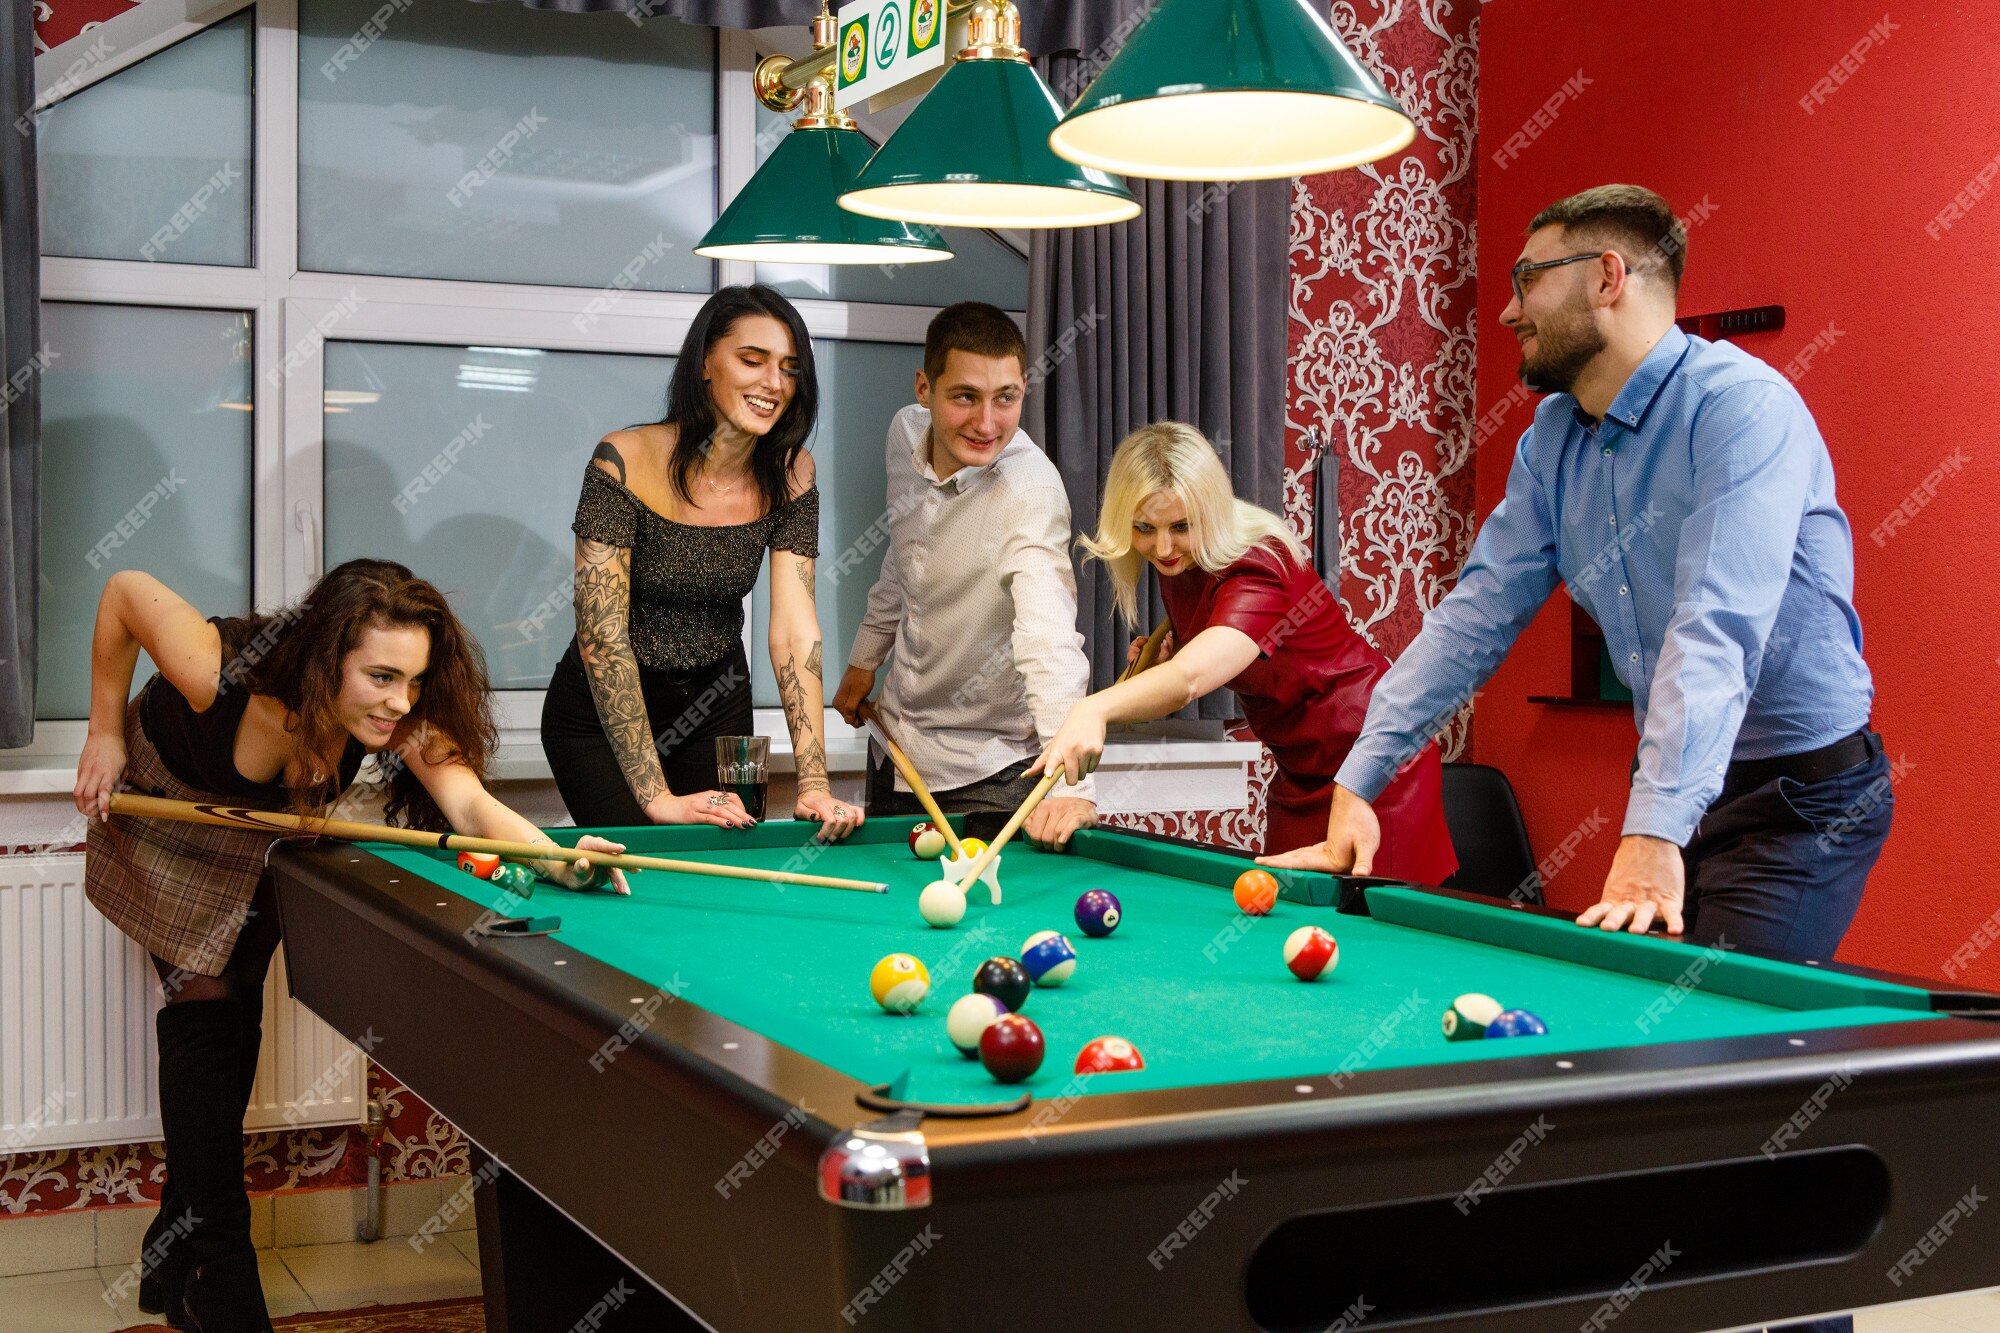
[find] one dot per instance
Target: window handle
(304, 522)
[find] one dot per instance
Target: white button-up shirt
(977, 599)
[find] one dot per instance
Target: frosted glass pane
(499, 143)
(153, 163)
(984, 267)
(862, 385)
(464, 464)
(145, 465)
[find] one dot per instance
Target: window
(145, 465)
(153, 163)
(464, 464)
(556, 148)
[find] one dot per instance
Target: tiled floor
(297, 1279)
(303, 1278)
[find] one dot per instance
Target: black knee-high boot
(201, 1111)
(165, 1265)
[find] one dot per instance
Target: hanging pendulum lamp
(975, 151)
(1232, 90)
(789, 213)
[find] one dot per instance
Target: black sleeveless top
(200, 748)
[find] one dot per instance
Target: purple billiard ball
(1516, 1023)
(1097, 913)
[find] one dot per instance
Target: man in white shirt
(977, 596)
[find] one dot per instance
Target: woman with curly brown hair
(274, 711)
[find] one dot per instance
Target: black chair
(1494, 858)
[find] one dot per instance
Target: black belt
(1811, 766)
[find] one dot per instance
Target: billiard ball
(1005, 980)
(1256, 892)
(970, 848)
(1011, 1048)
(1516, 1023)
(1469, 1016)
(1109, 1055)
(926, 841)
(516, 879)
(1097, 913)
(1049, 958)
(942, 904)
(899, 983)
(482, 864)
(968, 1020)
(1310, 952)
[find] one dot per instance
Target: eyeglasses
(1522, 270)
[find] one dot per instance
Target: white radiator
(78, 1062)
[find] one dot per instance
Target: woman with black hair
(671, 530)
(277, 712)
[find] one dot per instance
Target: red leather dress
(1305, 697)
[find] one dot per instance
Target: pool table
(689, 1111)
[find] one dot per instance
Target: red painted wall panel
(1829, 145)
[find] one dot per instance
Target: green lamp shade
(788, 213)
(975, 153)
(1232, 90)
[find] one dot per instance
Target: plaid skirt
(181, 890)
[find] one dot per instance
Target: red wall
(1825, 213)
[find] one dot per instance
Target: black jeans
(685, 711)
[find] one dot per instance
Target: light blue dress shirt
(1697, 525)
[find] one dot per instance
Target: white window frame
(289, 439)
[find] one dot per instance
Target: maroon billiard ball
(1011, 1048)
(927, 842)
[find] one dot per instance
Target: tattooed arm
(604, 639)
(796, 659)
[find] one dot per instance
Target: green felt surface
(1202, 991)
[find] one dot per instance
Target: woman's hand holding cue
(98, 770)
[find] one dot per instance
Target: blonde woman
(1247, 614)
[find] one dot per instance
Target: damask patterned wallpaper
(1382, 353)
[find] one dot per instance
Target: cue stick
(1013, 825)
(873, 721)
(992, 853)
(285, 823)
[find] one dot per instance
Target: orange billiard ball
(1256, 892)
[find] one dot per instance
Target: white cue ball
(942, 904)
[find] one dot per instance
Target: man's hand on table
(1051, 822)
(1648, 881)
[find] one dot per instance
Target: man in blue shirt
(1681, 491)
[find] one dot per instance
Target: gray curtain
(1177, 315)
(20, 364)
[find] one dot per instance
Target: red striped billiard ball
(1011, 1048)
(1309, 952)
